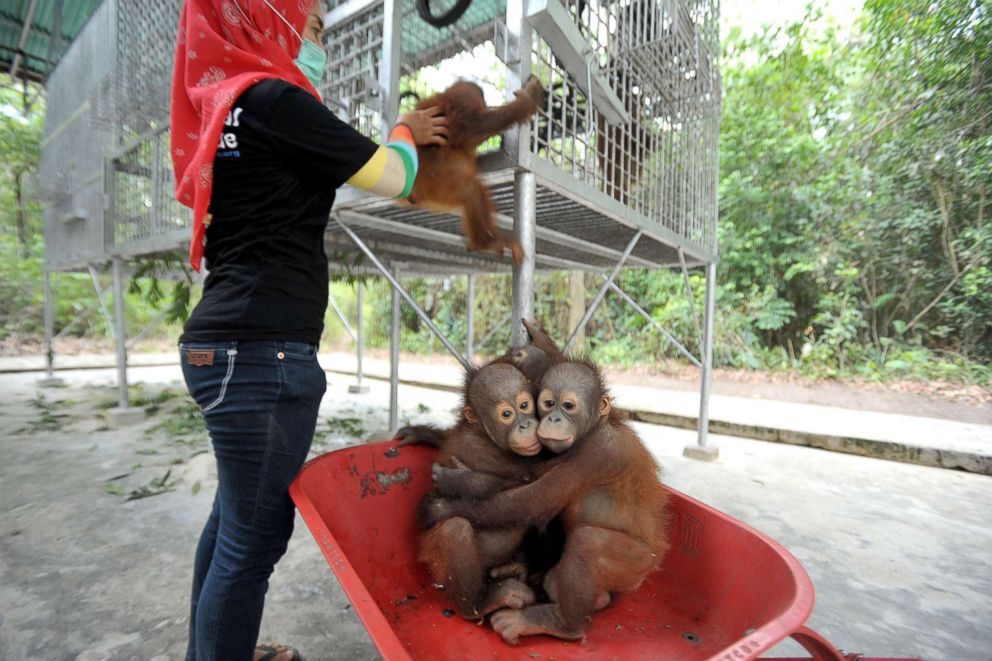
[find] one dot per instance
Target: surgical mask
(312, 59)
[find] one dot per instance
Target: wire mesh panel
(354, 53)
(111, 88)
(135, 98)
(146, 217)
(355, 41)
(661, 160)
(71, 173)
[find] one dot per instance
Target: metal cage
(618, 168)
(626, 141)
(105, 169)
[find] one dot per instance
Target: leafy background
(854, 202)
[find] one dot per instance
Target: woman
(258, 157)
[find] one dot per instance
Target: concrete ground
(909, 428)
(899, 553)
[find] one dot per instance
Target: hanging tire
(445, 19)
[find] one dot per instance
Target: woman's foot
(276, 652)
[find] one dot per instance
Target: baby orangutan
(493, 446)
(448, 176)
(604, 485)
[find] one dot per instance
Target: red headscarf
(224, 47)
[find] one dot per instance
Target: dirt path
(933, 399)
(947, 401)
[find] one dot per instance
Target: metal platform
(571, 234)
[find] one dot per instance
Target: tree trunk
(576, 306)
(21, 214)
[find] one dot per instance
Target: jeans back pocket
(208, 368)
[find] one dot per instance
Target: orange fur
(448, 178)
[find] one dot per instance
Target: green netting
(424, 44)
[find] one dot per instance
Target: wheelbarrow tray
(725, 591)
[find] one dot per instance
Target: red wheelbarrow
(725, 591)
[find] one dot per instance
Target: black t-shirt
(281, 156)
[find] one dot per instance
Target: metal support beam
(389, 64)
(360, 219)
(99, 299)
(49, 325)
(119, 335)
(340, 315)
(75, 320)
(470, 317)
(702, 450)
(22, 42)
(591, 310)
(524, 222)
(397, 287)
(692, 300)
(56, 35)
(394, 363)
(519, 68)
(492, 331)
(668, 336)
(147, 329)
(580, 246)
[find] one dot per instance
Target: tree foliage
(920, 156)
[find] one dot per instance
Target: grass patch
(182, 420)
(48, 418)
(155, 487)
(349, 427)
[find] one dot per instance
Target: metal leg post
(470, 318)
(50, 378)
(119, 334)
(692, 302)
(358, 388)
(702, 450)
(524, 222)
(394, 363)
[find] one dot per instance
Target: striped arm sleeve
(393, 167)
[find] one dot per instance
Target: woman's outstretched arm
(393, 167)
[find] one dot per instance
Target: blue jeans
(260, 401)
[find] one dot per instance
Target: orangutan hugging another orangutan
(493, 446)
(593, 475)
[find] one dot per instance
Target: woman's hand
(429, 126)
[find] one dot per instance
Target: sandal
(276, 652)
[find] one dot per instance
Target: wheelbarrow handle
(819, 647)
